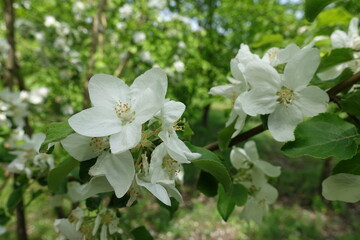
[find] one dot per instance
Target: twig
(259, 129)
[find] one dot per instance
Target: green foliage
(323, 136)
(173, 208)
(351, 166)
(227, 200)
(93, 203)
(141, 233)
(15, 198)
(337, 56)
(55, 132)
(351, 103)
(209, 162)
(207, 184)
(59, 174)
(225, 136)
(314, 7)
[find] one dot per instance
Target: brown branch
(259, 129)
(122, 64)
(94, 44)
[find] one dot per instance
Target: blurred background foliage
(193, 41)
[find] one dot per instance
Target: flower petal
(127, 138)
(105, 90)
(283, 121)
(172, 111)
(312, 101)
(251, 151)
(263, 76)
(267, 168)
(353, 31)
(239, 158)
(95, 122)
(67, 229)
(78, 147)
(333, 72)
(227, 90)
(257, 101)
(118, 169)
(156, 189)
(301, 68)
(155, 79)
(339, 39)
(147, 104)
(287, 53)
(98, 184)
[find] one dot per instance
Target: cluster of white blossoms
(81, 225)
(252, 173)
(131, 130)
(29, 160)
(340, 39)
(14, 105)
(275, 85)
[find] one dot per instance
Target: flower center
(286, 96)
(107, 218)
(124, 112)
(171, 166)
(99, 144)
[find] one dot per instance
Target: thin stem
(259, 129)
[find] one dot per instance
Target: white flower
(50, 21)
(139, 37)
(339, 39)
(118, 169)
(28, 157)
(118, 110)
(13, 106)
(241, 158)
(159, 178)
(179, 66)
(169, 115)
(160, 4)
(145, 56)
(67, 230)
(108, 221)
(2, 230)
(125, 11)
(287, 98)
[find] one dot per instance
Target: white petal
(268, 193)
(173, 192)
(98, 184)
(258, 101)
(235, 70)
(95, 122)
(267, 168)
(127, 138)
(156, 189)
(254, 211)
(245, 56)
(172, 111)
(251, 151)
(339, 39)
(239, 158)
(261, 75)
(283, 121)
(67, 229)
(333, 72)
(312, 101)
(155, 79)
(118, 169)
(301, 68)
(37, 139)
(353, 28)
(78, 147)
(227, 90)
(147, 104)
(342, 187)
(105, 90)
(286, 54)
(157, 157)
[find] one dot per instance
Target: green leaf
(55, 132)
(314, 7)
(351, 104)
(14, 198)
(323, 136)
(337, 56)
(207, 184)
(342, 187)
(140, 233)
(348, 166)
(93, 203)
(173, 208)
(3, 217)
(209, 162)
(119, 202)
(84, 169)
(224, 136)
(225, 203)
(239, 193)
(58, 174)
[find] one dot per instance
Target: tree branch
(260, 128)
(94, 44)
